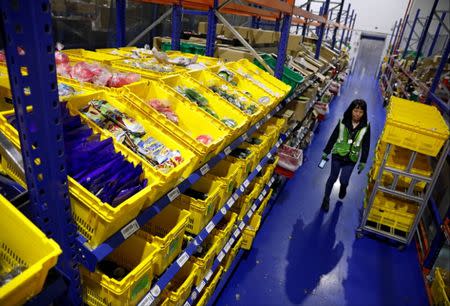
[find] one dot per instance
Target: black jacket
(365, 145)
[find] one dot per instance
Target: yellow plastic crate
(264, 203)
(257, 94)
(392, 215)
(192, 122)
(208, 79)
(249, 233)
(205, 260)
(166, 230)
(5, 94)
(223, 110)
(201, 211)
(224, 229)
(247, 165)
(269, 131)
(229, 258)
(266, 81)
(137, 256)
(279, 123)
(440, 287)
(143, 53)
(243, 204)
(152, 128)
(82, 54)
(180, 287)
(205, 60)
(206, 294)
(129, 65)
(425, 133)
(135, 53)
(23, 244)
(95, 219)
(228, 173)
(260, 150)
(270, 168)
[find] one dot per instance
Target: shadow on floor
(313, 252)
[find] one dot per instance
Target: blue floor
(302, 256)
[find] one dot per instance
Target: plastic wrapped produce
(164, 108)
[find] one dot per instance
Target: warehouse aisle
(302, 256)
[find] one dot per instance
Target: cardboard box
(203, 28)
(229, 54)
(58, 7)
(81, 8)
(300, 107)
(262, 37)
(244, 31)
(294, 42)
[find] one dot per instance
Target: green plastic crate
(290, 77)
(185, 48)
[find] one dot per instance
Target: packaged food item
(164, 107)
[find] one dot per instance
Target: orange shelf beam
(306, 14)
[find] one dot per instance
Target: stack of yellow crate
(407, 132)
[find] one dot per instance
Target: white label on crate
(241, 225)
(182, 259)
(246, 183)
(258, 168)
(208, 275)
(253, 207)
(235, 196)
(210, 226)
(220, 256)
(204, 169)
(130, 229)
(227, 247)
(147, 300)
(269, 155)
(173, 194)
(187, 304)
(156, 291)
(201, 286)
(242, 188)
(232, 240)
(227, 150)
(223, 210)
(236, 233)
(260, 198)
(244, 136)
(258, 125)
(230, 202)
(250, 213)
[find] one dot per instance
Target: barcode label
(268, 117)
(250, 213)
(220, 256)
(278, 143)
(230, 202)
(194, 295)
(264, 192)
(236, 233)
(260, 198)
(235, 196)
(210, 227)
(246, 183)
(223, 210)
(209, 274)
(241, 226)
(173, 194)
(232, 240)
(258, 125)
(244, 137)
(272, 180)
(182, 259)
(147, 300)
(227, 247)
(269, 155)
(227, 150)
(130, 229)
(258, 168)
(253, 207)
(278, 108)
(242, 188)
(155, 291)
(187, 304)
(204, 169)
(201, 286)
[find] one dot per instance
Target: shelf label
(246, 183)
(272, 180)
(227, 151)
(194, 295)
(235, 196)
(260, 198)
(173, 194)
(209, 274)
(242, 189)
(253, 207)
(201, 286)
(264, 192)
(278, 143)
(236, 233)
(232, 240)
(130, 229)
(258, 125)
(230, 202)
(258, 168)
(220, 256)
(268, 117)
(244, 136)
(227, 247)
(269, 155)
(147, 300)
(241, 225)
(249, 214)
(204, 169)
(210, 226)
(182, 259)
(156, 291)
(278, 108)
(223, 210)
(187, 304)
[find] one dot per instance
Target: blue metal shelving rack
(31, 65)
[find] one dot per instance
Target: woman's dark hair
(357, 103)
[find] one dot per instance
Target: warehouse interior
(224, 152)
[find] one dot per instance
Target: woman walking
(349, 142)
